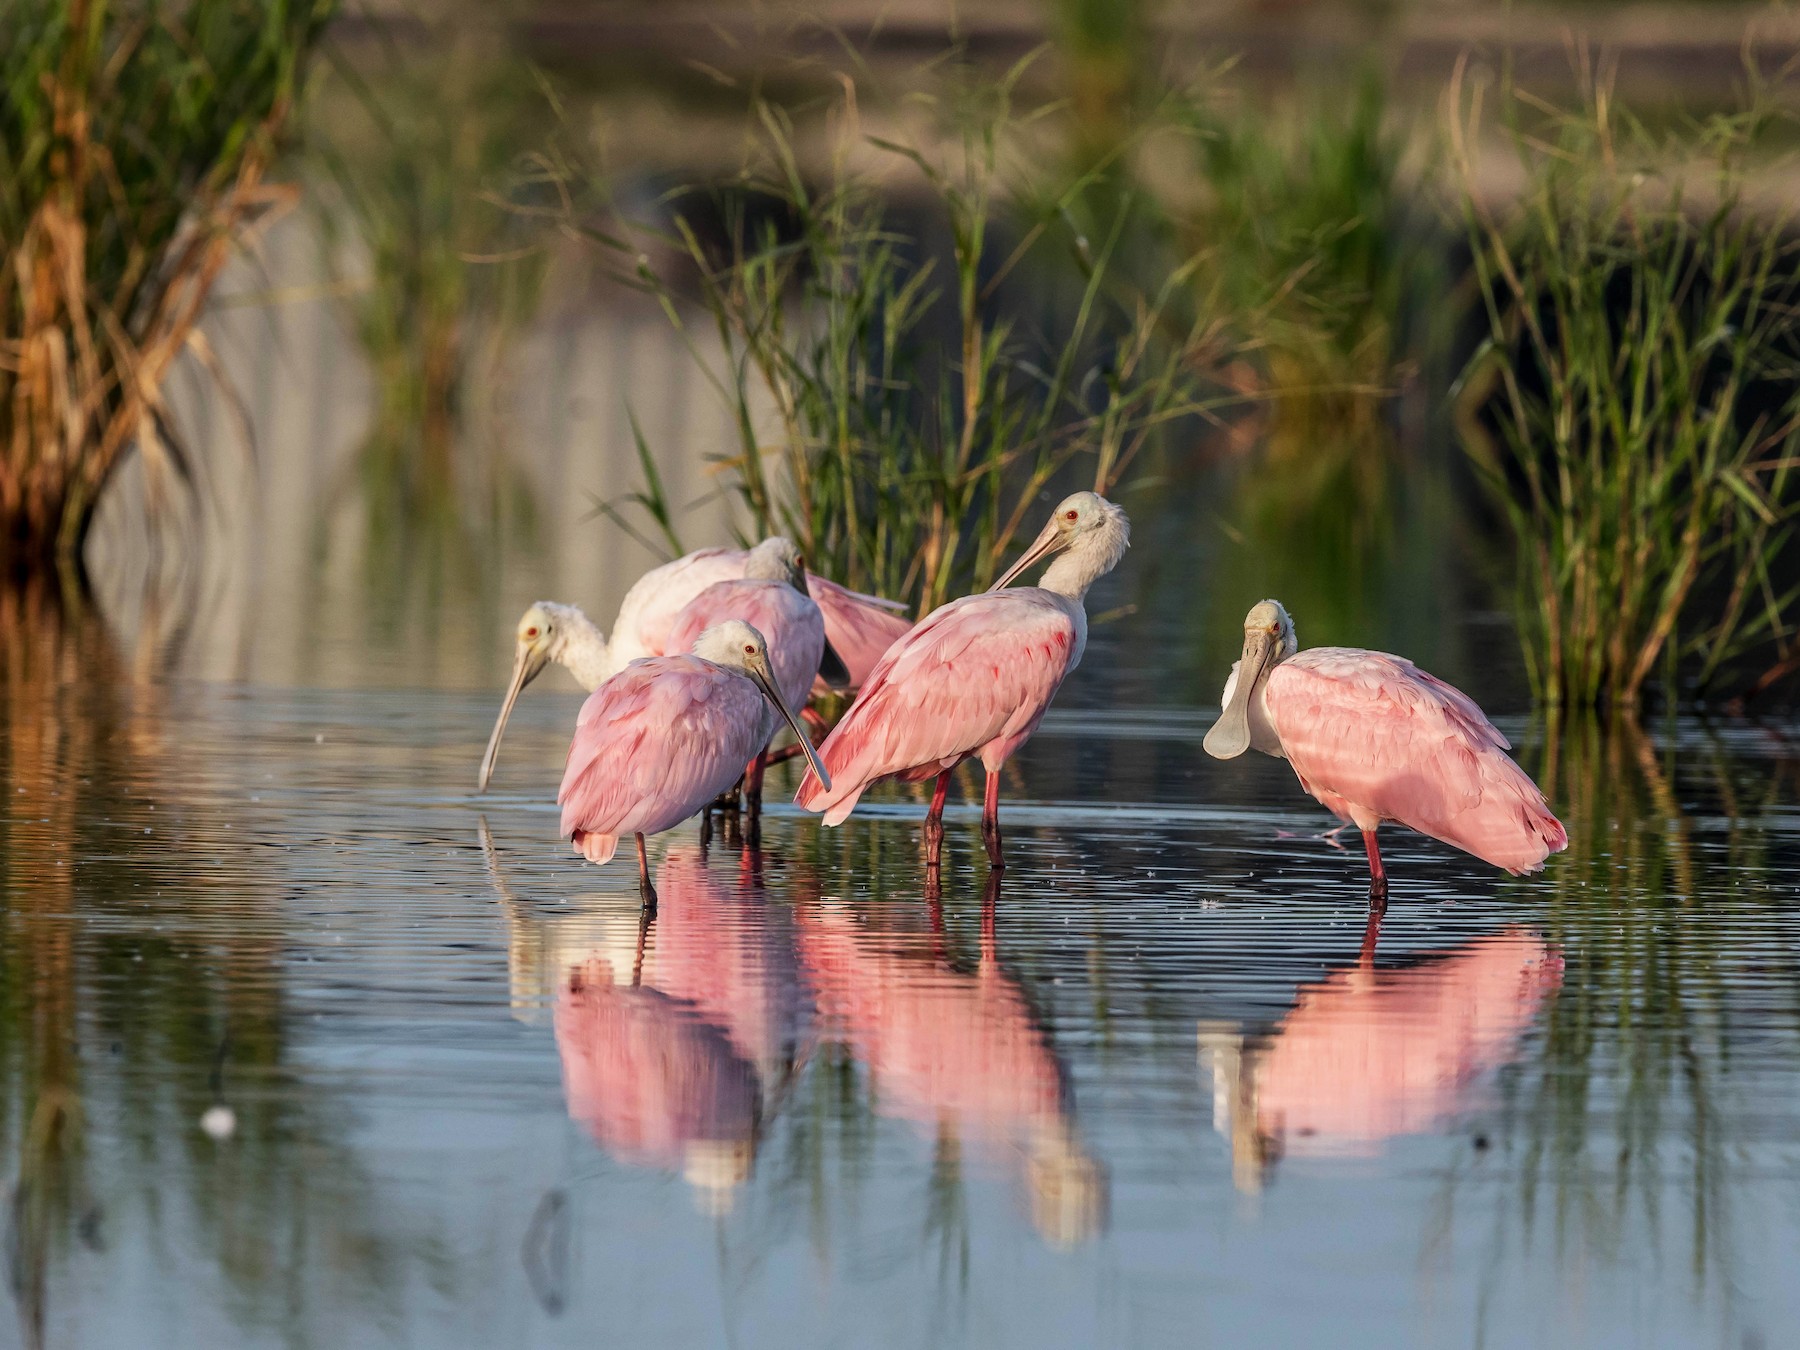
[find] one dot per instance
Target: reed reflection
(680, 1033)
(960, 1053)
(1367, 1056)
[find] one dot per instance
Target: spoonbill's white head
(543, 637)
(1268, 641)
(1093, 531)
(777, 558)
(737, 646)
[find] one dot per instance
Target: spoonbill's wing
(650, 606)
(859, 627)
(1377, 731)
(789, 622)
(653, 745)
(977, 673)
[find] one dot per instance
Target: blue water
(1171, 1097)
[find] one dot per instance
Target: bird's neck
(1072, 574)
(584, 651)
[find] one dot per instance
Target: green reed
(893, 416)
(1634, 1086)
(404, 148)
(134, 136)
(1326, 248)
(1638, 306)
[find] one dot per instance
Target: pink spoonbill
(666, 735)
(1374, 738)
(859, 627)
(974, 678)
(772, 598)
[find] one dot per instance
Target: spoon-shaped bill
(1050, 540)
(1230, 735)
(758, 670)
(526, 667)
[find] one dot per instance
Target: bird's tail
(836, 804)
(596, 848)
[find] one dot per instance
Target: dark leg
(1372, 930)
(990, 821)
(646, 917)
(1377, 873)
(781, 756)
(753, 777)
(645, 889)
(934, 821)
(705, 829)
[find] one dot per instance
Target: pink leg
(934, 820)
(990, 821)
(645, 889)
(1377, 873)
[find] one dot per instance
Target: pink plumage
(941, 1047)
(860, 627)
(973, 678)
(1375, 738)
(792, 624)
(1366, 1055)
(652, 746)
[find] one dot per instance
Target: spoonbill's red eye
(1071, 515)
(749, 650)
(531, 632)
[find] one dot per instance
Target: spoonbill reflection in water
(973, 678)
(1367, 1056)
(958, 1053)
(859, 628)
(680, 1034)
(665, 736)
(1376, 739)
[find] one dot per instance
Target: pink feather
(1375, 738)
(975, 677)
(652, 746)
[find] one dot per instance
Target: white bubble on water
(219, 1122)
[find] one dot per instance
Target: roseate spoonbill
(973, 678)
(771, 597)
(1367, 1056)
(1375, 739)
(859, 627)
(958, 1053)
(665, 736)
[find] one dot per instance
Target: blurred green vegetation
(893, 415)
(1639, 367)
(134, 136)
(406, 151)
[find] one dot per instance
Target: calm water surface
(1174, 1094)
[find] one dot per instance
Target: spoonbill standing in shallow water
(772, 598)
(1375, 738)
(973, 678)
(859, 627)
(665, 736)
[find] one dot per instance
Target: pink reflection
(677, 1033)
(1367, 1055)
(959, 1054)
